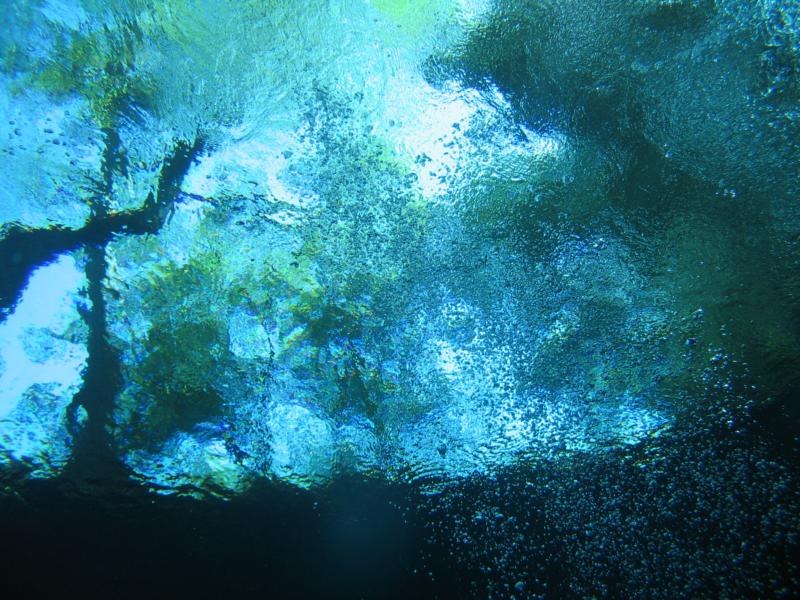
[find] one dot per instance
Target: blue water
(425, 298)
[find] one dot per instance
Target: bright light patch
(430, 131)
(34, 343)
(430, 135)
(251, 167)
(42, 356)
(450, 359)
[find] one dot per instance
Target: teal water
(509, 288)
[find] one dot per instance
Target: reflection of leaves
(179, 372)
(329, 288)
(370, 226)
(186, 355)
(13, 59)
(186, 348)
(99, 66)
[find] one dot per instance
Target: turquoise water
(535, 264)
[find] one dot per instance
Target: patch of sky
(42, 357)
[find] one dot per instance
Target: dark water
(435, 299)
(712, 523)
(354, 541)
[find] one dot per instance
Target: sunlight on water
(42, 357)
(533, 263)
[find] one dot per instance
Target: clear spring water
(494, 298)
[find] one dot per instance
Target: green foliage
(186, 352)
(98, 66)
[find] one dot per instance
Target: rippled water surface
(424, 298)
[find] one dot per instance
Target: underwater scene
(400, 298)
